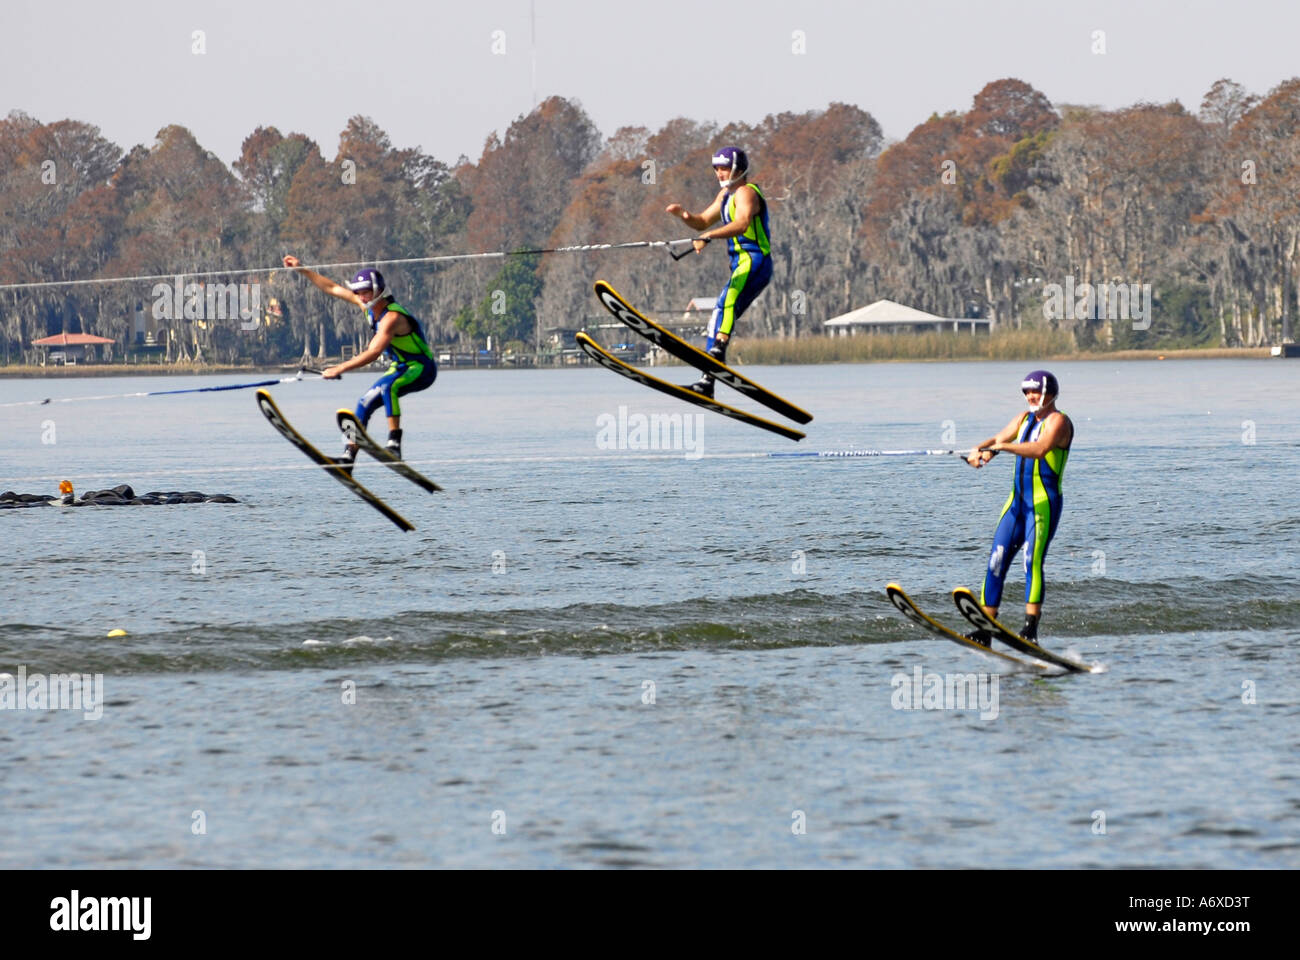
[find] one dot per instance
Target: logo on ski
(970, 608)
(912, 612)
(594, 350)
(352, 429)
(286, 430)
(679, 348)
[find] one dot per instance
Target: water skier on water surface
(397, 335)
(743, 213)
(1041, 440)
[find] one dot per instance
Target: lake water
(594, 656)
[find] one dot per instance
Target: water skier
(743, 213)
(397, 335)
(1041, 440)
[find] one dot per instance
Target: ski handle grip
(689, 247)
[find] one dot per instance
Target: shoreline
(1202, 353)
(1090, 356)
(20, 372)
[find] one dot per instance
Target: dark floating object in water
(120, 496)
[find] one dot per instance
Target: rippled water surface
(591, 656)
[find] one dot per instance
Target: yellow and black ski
(594, 350)
(356, 433)
(671, 343)
(970, 608)
(910, 610)
(273, 414)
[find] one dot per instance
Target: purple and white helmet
(1046, 385)
(1042, 381)
(734, 160)
(368, 280)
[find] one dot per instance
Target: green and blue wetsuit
(751, 266)
(412, 367)
(1029, 517)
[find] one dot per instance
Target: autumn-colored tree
(371, 202)
(58, 221)
(1224, 104)
(1252, 256)
(935, 216)
(267, 164)
(523, 181)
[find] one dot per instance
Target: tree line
(981, 213)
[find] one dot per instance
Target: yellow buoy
(117, 633)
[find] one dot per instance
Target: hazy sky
(427, 73)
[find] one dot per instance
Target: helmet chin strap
(733, 176)
(370, 307)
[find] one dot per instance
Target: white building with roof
(894, 317)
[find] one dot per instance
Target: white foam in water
(364, 639)
(1096, 665)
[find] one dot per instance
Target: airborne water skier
(397, 335)
(743, 211)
